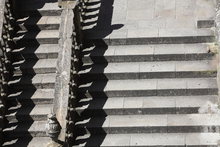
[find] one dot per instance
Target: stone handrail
(2, 8)
(6, 33)
(66, 68)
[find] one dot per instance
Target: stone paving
(151, 17)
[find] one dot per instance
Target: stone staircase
(32, 85)
(148, 91)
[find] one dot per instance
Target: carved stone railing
(67, 69)
(6, 33)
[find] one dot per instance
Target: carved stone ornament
(53, 127)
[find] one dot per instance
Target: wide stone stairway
(32, 84)
(149, 74)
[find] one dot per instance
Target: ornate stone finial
(53, 127)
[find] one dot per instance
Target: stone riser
(25, 118)
(41, 13)
(153, 129)
(136, 111)
(157, 40)
(36, 56)
(39, 27)
(24, 134)
(144, 58)
(32, 71)
(138, 93)
(28, 102)
(148, 75)
(32, 42)
(32, 86)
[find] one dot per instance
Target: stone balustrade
(6, 31)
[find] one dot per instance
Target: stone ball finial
(53, 127)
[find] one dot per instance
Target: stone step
(144, 105)
(151, 36)
(43, 51)
(30, 97)
(24, 38)
(143, 70)
(28, 142)
(40, 8)
(27, 129)
(171, 123)
(39, 23)
(41, 66)
(149, 87)
(150, 140)
(32, 112)
(39, 81)
(142, 53)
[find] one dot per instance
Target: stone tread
(41, 49)
(36, 80)
(152, 140)
(33, 142)
(44, 34)
(143, 67)
(154, 102)
(31, 110)
(42, 66)
(150, 84)
(168, 120)
(31, 94)
(122, 50)
(150, 33)
(50, 20)
(36, 126)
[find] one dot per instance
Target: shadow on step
(23, 6)
(85, 120)
(97, 22)
(19, 130)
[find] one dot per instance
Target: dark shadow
(97, 24)
(22, 89)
